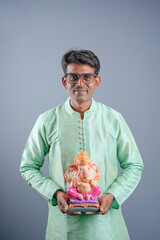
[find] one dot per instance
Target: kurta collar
(70, 110)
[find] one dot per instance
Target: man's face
(80, 91)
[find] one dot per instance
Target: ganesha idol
(84, 191)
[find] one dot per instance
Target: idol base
(91, 205)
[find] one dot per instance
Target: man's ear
(97, 81)
(64, 82)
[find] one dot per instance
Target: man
(82, 124)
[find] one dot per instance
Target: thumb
(64, 203)
(103, 203)
(66, 197)
(102, 206)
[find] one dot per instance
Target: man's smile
(80, 90)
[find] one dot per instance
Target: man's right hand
(62, 199)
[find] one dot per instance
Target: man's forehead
(79, 68)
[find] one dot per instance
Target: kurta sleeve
(32, 160)
(130, 161)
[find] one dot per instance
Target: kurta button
(81, 142)
(80, 137)
(81, 148)
(80, 126)
(80, 133)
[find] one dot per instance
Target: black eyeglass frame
(80, 75)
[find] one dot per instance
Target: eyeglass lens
(86, 77)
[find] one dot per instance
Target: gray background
(34, 35)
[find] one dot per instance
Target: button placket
(81, 138)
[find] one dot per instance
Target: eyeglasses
(74, 77)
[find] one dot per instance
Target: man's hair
(80, 57)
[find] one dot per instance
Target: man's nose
(80, 82)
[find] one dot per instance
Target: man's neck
(81, 107)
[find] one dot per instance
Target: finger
(74, 213)
(103, 206)
(63, 206)
(104, 209)
(96, 213)
(93, 213)
(63, 200)
(66, 197)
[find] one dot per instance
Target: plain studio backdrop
(34, 35)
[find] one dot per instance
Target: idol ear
(93, 167)
(73, 168)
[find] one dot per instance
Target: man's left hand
(105, 203)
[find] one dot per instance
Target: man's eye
(87, 77)
(72, 77)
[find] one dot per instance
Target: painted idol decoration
(84, 191)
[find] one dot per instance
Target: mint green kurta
(105, 136)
